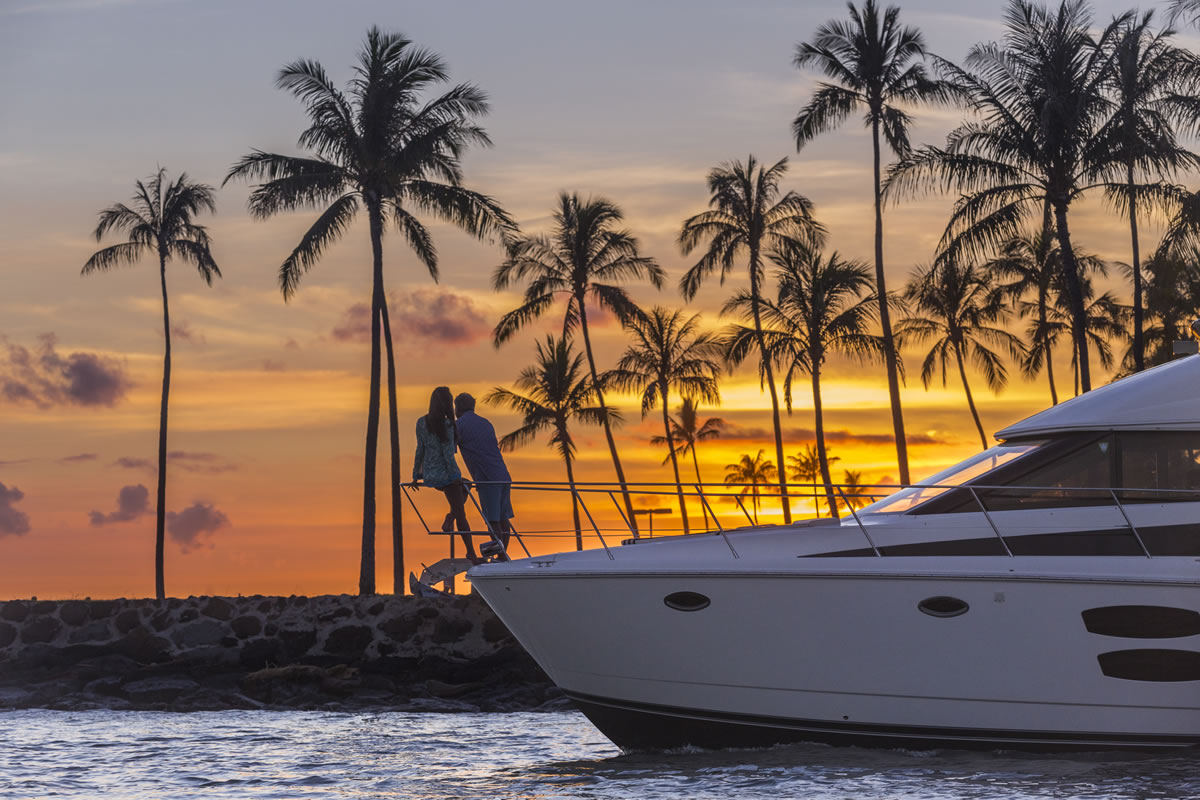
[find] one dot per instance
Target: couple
(437, 438)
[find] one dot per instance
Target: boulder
(127, 620)
(199, 634)
(8, 634)
(158, 689)
(260, 653)
(74, 612)
(246, 626)
(451, 630)
(39, 630)
(14, 611)
(102, 609)
(349, 640)
(297, 642)
(96, 631)
(218, 608)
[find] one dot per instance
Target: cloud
(271, 365)
(735, 433)
(12, 521)
(204, 463)
(80, 457)
(437, 316)
(183, 330)
(125, 462)
(355, 325)
(193, 526)
(132, 502)
(45, 379)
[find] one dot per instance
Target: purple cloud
(132, 502)
(188, 461)
(193, 526)
(44, 378)
(437, 316)
(12, 521)
(355, 325)
(80, 457)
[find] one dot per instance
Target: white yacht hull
(839, 652)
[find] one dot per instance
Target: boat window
(974, 467)
(1159, 461)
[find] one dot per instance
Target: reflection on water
(244, 754)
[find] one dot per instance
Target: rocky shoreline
(331, 653)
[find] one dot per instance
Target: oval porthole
(942, 606)
(686, 601)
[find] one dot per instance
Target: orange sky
(268, 399)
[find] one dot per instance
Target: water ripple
(251, 755)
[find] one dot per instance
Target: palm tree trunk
(885, 320)
(962, 373)
(366, 574)
(700, 486)
(160, 540)
(574, 500)
(608, 434)
(662, 389)
(766, 363)
(1139, 346)
(394, 442)
(822, 458)
(1071, 280)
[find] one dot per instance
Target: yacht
(1041, 595)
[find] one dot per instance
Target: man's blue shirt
(479, 449)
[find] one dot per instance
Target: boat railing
(847, 499)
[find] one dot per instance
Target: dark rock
(246, 626)
(161, 621)
(112, 664)
(14, 611)
(349, 640)
(174, 603)
(14, 697)
(229, 641)
(300, 601)
(337, 613)
(144, 647)
(45, 607)
(8, 634)
(271, 629)
(108, 685)
(375, 609)
(188, 614)
(217, 608)
(265, 606)
(199, 634)
(73, 612)
(451, 630)
(158, 689)
(260, 653)
(495, 631)
(127, 620)
(101, 609)
(428, 612)
(39, 630)
(297, 642)
(97, 631)
(401, 627)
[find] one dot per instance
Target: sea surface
(251, 754)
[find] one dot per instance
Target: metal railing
(847, 498)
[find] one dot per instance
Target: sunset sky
(633, 101)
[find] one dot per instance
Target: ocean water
(251, 754)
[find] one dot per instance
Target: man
(481, 453)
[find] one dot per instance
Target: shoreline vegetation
(1061, 105)
(330, 653)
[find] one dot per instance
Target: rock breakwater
(333, 652)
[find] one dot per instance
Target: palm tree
(747, 213)
(1040, 101)
(1030, 263)
(805, 467)
(686, 432)
(585, 258)
(870, 63)
(1154, 85)
(855, 494)
(748, 474)
(1105, 321)
(376, 146)
(668, 353)
(824, 307)
(556, 394)
(159, 221)
(1172, 301)
(961, 315)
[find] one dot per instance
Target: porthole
(942, 606)
(1142, 622)
(1158, 666)
(686, 601)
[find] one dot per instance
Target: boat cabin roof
(1164, 398)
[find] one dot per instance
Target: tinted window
(1158, 461)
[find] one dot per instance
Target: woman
(434, 462)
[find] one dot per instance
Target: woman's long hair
(441, 411)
